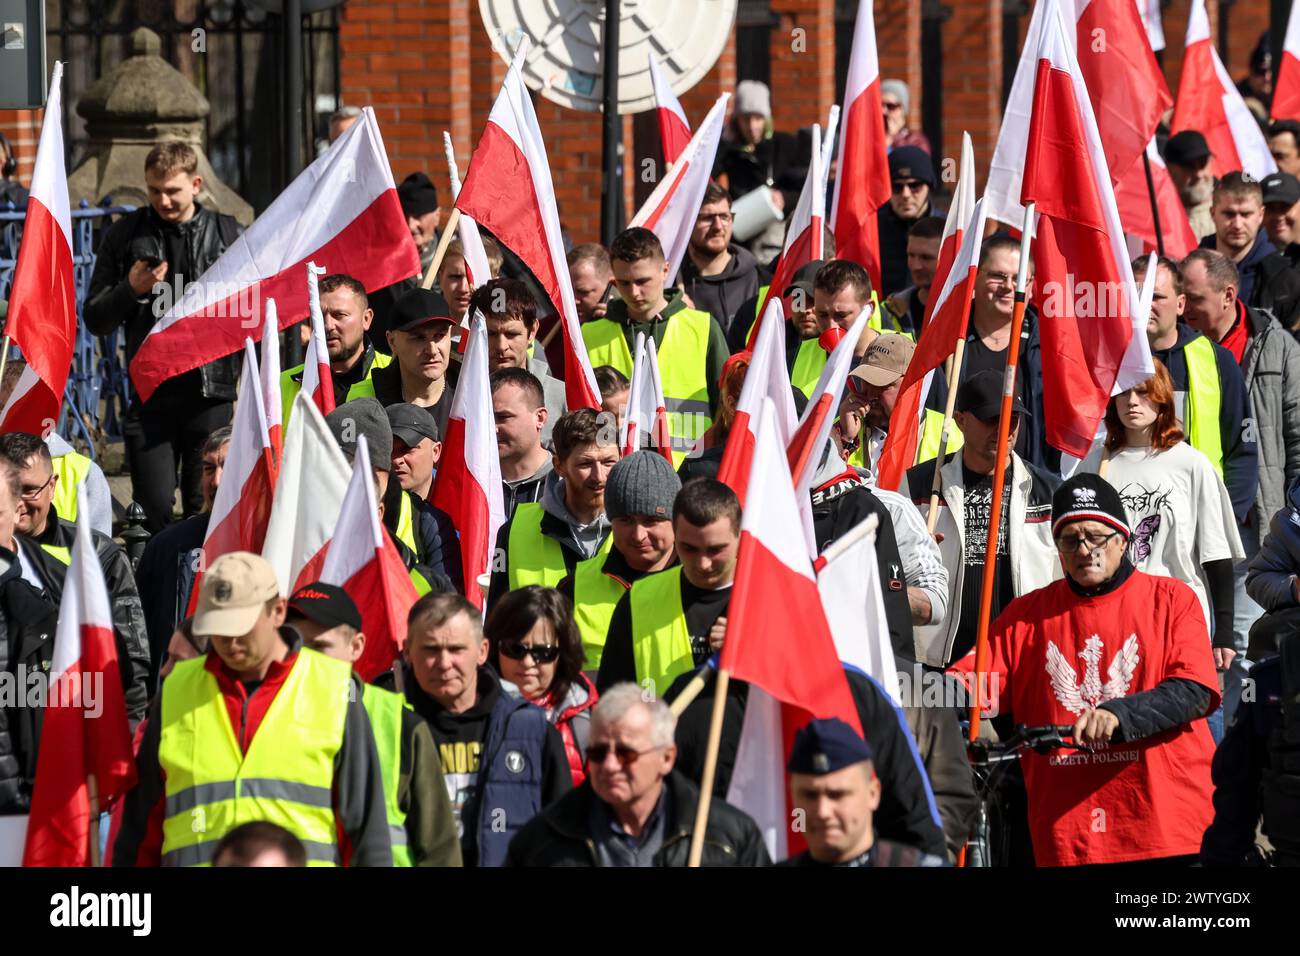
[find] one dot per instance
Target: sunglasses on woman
(541, 653)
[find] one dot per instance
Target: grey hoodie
(583, 538)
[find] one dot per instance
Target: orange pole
(999, 474)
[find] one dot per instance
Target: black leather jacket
(190, 248)
(27, 623)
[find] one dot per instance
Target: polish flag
(42, 312)
(342, 211)
(848, 580)
(804, 231)
(1208, 101)
(647, 414)
(1124, 82)
(1093, 334)
(468, 483)
(1149, 11)
(270, 369)
(241, 507)
(828, 144)
(366, 565)
(314, 478)
(862, 183)
(84, 730)
(508, 189)
(959, 218)
(949, 310)
(766, 377)
(804, 450)
(1134, 202)
(477, 268)
(774, 596)
(317, 380)
(1286, 89)
(674, 130)
(671, 210)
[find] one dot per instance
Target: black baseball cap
(1187, 148)
(981, 396)
(412, 423)
(325, 604)
(1281, 188)
(910, 162)
(418, 306)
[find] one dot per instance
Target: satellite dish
(685, 37)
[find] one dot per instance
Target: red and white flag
(270, 369)
(42, 308)
(960, 214)
(766, 377)
(314, 478)
(508, 189)
(84, 730)
(363, 561)
(477, 268)
(468, 483)
(342, 211)
(1126, 87)
(1286, 90)
(671, 210)
(241, 507)
(647, 413)
(674, 130)
(946, 326)
(1208, 101)
(1093, 337)
(775, 595)
(828, 144)
(813, 431)
(862, 182)
(848, 580)
(1149, 11)
(1134, 201)
(804, 232)
(317, 380)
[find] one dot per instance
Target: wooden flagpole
(1000, 472)
(4, 358)
(448, 233)
(954, 373)
(710, 769)
(1155, 206)
(92, 791)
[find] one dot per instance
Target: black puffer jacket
(840, 505)
(128, 614)
(561, 834)
(190, 248)
(27, 623)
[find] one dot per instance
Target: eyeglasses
(722, 217)
(541, 653)
(31, 494)
(909, 187)
(625, 755)
(999, 278)
(1069, 543)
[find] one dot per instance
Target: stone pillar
(141, 102)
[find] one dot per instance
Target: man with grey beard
(1188, 157)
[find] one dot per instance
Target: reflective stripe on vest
(595, 594)
(72, 469)
(289, 389)
(385, 711)
(286, 776)
(808, 364)
(1204, 399)
(532, 557)
(661, 645)
(682, 360)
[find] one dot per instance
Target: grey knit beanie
(643, 483)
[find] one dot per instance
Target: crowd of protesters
(1147, 597)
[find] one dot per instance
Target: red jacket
(572, 718)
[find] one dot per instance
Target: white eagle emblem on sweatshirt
(1077, 697)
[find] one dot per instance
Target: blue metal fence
(96, 374)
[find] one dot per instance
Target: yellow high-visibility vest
(595, 594)
(661, 644)
(286, 777)
(385, 711)
(289, 388)
(1203, 402)
(532, 557)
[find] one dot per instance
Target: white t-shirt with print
(1179, 510)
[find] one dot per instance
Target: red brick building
(428, 66)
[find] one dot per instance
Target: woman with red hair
(1178, 507)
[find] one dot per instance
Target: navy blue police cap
(825, 746)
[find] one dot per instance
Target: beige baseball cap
(886, 360)
(234, 589)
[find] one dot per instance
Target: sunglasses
(541, 653)
(624, 754)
